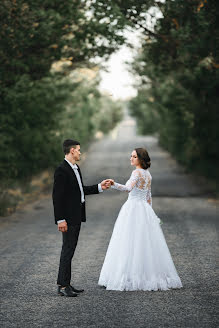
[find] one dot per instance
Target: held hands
(111, 181)
(105, 184)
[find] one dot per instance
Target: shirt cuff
(100, 188)
(59, 221)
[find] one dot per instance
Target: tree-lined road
(30, 249)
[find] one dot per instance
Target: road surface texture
(30, 249)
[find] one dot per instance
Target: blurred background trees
(42, 42)
(177, 96)
(49, 78)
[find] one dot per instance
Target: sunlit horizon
(117, 81)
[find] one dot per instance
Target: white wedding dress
(137, 257)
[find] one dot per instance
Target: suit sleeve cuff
(100, 188)
(59, 221)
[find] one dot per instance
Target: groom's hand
(105, 184)
(62, 226)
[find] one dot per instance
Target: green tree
(178, 66)
(33, 36)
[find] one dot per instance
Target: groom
(69, 210)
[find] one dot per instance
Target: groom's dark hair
(68, 144)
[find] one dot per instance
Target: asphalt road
(30, 249)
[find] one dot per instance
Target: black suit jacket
(67, 195)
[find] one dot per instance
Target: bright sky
(118, 81)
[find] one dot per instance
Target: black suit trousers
(70, 240)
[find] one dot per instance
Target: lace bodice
(138, 186)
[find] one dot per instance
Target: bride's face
(134, 158)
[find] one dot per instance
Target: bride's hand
(111, 181)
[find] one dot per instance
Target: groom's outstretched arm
(105, 184)
(94, 189)
(89, 190)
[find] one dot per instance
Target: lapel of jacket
(79, 171)
(71, 172)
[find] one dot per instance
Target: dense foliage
(178, 65)
(34, 35)
(87, 112)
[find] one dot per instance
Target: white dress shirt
(75, 168)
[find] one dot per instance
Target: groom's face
(76, 152)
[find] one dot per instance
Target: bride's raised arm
(130, 184)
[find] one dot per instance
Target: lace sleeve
(149, 199)
(130, 184)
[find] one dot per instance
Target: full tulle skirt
(138, 257)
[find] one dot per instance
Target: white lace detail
(138, 186)
(138, 257)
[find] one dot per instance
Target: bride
(138, 257)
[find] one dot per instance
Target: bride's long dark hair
(143, 158)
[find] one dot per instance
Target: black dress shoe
(66, 291)
(76, 290)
